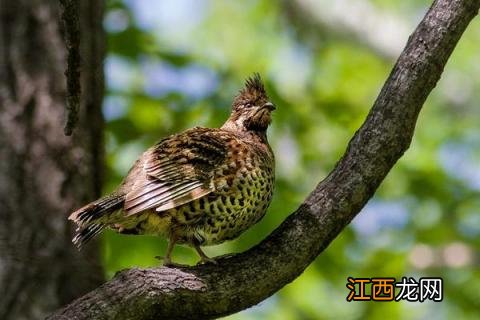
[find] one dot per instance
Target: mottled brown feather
(177, 170)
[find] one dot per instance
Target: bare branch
(354, 19)
(320, 19)
(72, 40)
(245, 279)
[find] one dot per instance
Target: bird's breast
(243, 188)
(243, 191)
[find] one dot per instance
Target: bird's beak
(270, 106)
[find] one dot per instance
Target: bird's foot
(207, 260)
(167, 262)
(204, 259)
(225, 256)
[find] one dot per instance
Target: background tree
(44, 174)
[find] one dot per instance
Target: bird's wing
(177, 170)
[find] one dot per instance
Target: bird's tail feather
(84, 234)
(89, 218)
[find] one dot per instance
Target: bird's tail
(91, 219)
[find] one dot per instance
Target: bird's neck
(239, 129)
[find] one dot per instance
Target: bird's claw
(207, 261)
(169, 263)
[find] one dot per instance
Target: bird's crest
(254, 87)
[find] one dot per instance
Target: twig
(72, 40)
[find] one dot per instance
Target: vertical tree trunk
(44, 174)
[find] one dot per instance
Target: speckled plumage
(199, 187)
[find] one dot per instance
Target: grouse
(200, 187)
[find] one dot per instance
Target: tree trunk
(44, 174)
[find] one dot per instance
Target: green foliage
(173, 65)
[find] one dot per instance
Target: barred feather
(83, 235)
(97, 209)
(90, 217)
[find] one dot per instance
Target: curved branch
(245, 279)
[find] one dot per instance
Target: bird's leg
(204, 258)
(167, 260)
(168, 255)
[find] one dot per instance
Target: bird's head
(251, 109)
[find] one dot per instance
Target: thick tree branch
(245, 279)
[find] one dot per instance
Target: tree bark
(245, 279)
(44, 174)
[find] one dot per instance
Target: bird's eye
(248, 105)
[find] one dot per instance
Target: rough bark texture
(245, 279)
(43, 174)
